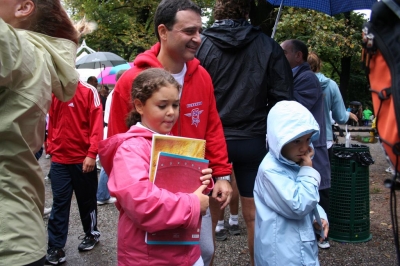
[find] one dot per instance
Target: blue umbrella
(330, 7)
(115, 69)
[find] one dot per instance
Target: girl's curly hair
(144, 85)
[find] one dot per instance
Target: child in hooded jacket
(143, 206)
(286, 190)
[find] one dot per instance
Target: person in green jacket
(367, 115)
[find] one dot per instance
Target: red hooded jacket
(76, 126)
(198, 112)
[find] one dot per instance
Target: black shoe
(221, 235)
(88, 243)
(55, 256)
(234, 229)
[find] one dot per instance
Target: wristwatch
(226, 177)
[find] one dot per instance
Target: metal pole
(277, 20)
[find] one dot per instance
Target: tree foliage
(337, 41)
(125, 27)
(331, 37)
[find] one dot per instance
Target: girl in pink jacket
(143, 206)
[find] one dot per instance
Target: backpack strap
(382, 33)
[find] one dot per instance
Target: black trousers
(246, 156)
(66, 179)
(324, 193)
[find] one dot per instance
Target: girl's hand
(207, 175)
(306, 158)
(204, 199)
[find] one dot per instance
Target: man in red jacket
(75, 128)
(177, 27)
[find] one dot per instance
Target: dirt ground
(379, 250)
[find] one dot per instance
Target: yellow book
(177, 145)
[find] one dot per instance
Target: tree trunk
(346, 68)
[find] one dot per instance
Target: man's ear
(162, 31)
(24, 9)
(138, 106)
(299, 56)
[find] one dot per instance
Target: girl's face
(160, 112)
(296, 148)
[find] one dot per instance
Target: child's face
(297, 148)
(161, 110)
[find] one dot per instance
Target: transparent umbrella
(99, 59)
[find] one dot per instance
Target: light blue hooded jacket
(286, 194)
(333, 102)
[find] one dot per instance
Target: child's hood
(286, 121)
(324, 81)
(108, 147)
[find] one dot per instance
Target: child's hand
(207, 175)
(204, 200)
(325, 226)
(306, 158)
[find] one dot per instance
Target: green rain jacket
(32, 67)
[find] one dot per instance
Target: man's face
(291, 55)
(104, 92)
(94, 83)
(182, 42)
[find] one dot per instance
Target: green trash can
(349, 219)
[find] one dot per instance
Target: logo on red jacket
(195, 115)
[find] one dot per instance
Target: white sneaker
(389, 170)
(46, 211)
(324, 244)
(109, 201)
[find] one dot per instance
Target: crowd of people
(230, 85)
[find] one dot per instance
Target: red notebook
(177, 173)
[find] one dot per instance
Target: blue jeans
(102, 189)
(206, 238)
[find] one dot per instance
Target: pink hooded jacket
(143, 206)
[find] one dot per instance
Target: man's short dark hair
(166, 12)
(91, 78)
(298, 45)
(231, 9)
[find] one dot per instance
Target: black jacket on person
(250, 74)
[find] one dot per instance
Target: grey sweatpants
(206, 238)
